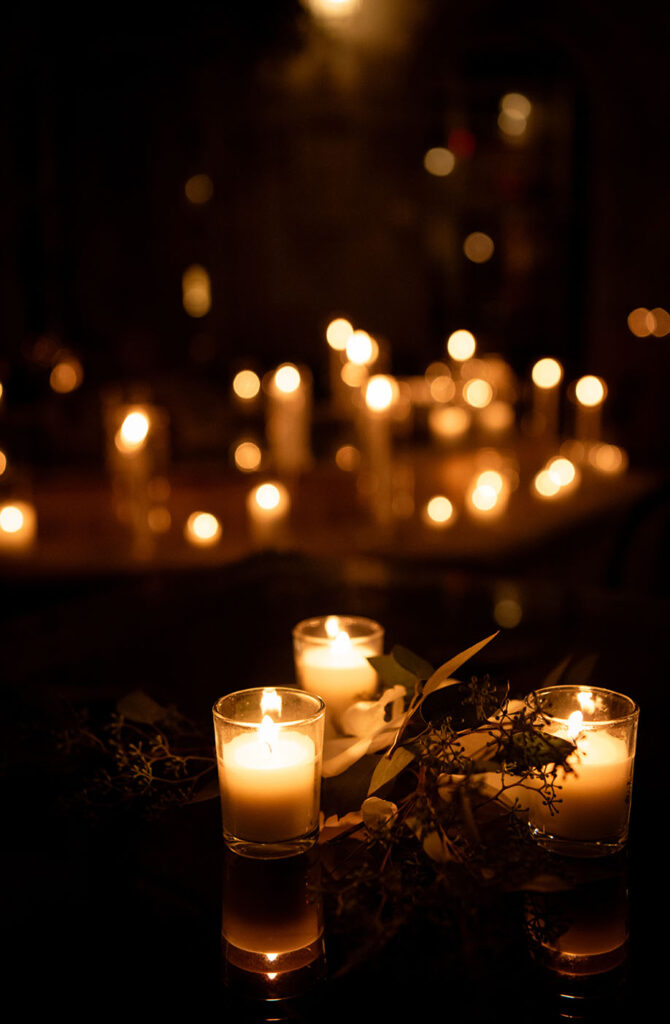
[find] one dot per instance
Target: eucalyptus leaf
(535, 749)
(392, 673)
(389, 767)
(442, 676)
(554, 677)
(138, 706)
(209, 790)
(581, 671)
(414, 664)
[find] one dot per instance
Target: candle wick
(269, 748)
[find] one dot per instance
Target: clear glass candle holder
(269, 746)
(590, 811)
(331, 655)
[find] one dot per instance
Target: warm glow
(332, 626)
(497, 416)
(11, 519)
(461, 345)
(246, 384)
(342, 642)
(586, 701)
(267, 496)
(640, 322)
(661, 325)
(159, 519)
(66, 375)
(545, 484)
(1, 389)
(132, 435)
(199, 189)
(511, 124)
(353, 375)
(439, 511)
(449, 421)
(347, 458)
(247, 456)
(478, 393)
(333, 9)
(590, 390)
(575, 724)
(270, 701)
(491, 479)
(3, 462)
(196, 291)
(202, 529)
(338, 333)
(442, 388)
(562, 471)
(608, 458)
(380, 393)
(361, 349)
(439, 161)
(547, 373)
(484, 497)
(515, 104)
(287, 378)
(507, 612)
(478, 247)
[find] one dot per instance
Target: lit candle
(288, 416)
(202, 530)
(381, 393)
(592, 806)
(268, 507)
(488, 494)
(269, 772)
(331, 661)
(18, 527)
(590, 394)
(546, 375)
(338, 333)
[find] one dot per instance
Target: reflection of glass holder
(272, 928)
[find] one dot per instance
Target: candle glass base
(272, 979)
(577, 847)
(271, 851)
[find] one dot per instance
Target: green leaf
(441, 677)
(347, 791)
(418, 666)
(389, 767)
(392, 673)
(534, 749)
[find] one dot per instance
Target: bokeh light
(287, 378)
(269, 496)
(380, 392)
(562, 471)
(478, 393)
(449, 422)
(661, 325)
(516, 105)
(133, 432)
(590, 390)
(202, 529)
(461, 345)
(354, 375)
(608, 458)
(247, 456)
(11, 518)
(438, 511)
(439, 161)
(547, 373)
(338, 333)
(497, 417)
(546, 485)
(199, 189)
(66, 375)
(478, 247)
(640, 322)
(246, 384)
(3, 462)
(159, 519)
(196, 291)
(348, 458)
(361, 349)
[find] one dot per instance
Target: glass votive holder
(330, 655)
(589, 812)
(269, 746)
(272, 927)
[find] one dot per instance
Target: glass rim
(632, 714)
(375, 629)
(317, 703)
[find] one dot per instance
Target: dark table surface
(123, 909)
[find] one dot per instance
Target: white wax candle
(338, 672)
(269, 790)
(594, 798)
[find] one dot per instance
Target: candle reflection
(272, 927)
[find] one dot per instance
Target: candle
(269, 745)
(592, 808)
(590, 393)
(338, 333)
(18, 527)
(331, 661)
(546, 375)
(268, 507)
(288, 414)
(381, 394)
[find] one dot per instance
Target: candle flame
(586, 701)
(332, 626)
(342, 641)
(270, 701)
(268, 731)
(271, 957)
(575, 722)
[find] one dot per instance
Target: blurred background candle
(338, 333)
(269, 744)
(381, 393)
(18, 527)
(268, 507)
(590, 393)
(331, 655)
(546, 375)
(590, 817)
(288, 418)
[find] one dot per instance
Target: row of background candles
(460, 403)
